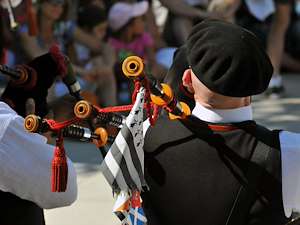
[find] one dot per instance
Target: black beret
(228, 59)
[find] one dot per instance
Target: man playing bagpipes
(218, 166)
(25, 173)
(25, 158)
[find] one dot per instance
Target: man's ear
(187, 80)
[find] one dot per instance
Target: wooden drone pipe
(99, 137)
(21, 76)
(84, 110)
(166, 99)
(161, 94)
(35, 124)
(133, 67)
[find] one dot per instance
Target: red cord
(137, 86)
(152, 110)
(121, 108)
(57, 126)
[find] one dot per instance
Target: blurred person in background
(92, 19)
(163, 53)
(226, 8)
(99, 3)
(271, 30)
(128, 37)
(150, 22)
(275, 44)
(291, 56)
(183, 14)
(54, 27)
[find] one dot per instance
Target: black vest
(197, 175)
(16, 211)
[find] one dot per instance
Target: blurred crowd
(97, 35)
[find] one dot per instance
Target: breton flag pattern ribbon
(123, 166)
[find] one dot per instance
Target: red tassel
(136, 199)
(59, 177)
(31, 18)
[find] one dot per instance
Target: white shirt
(290, 151)
(25, 164)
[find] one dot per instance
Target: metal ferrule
(87, 134)
(75, 87)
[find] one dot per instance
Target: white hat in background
(121, 13)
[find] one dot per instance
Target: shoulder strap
(247, 193)
(249, 188)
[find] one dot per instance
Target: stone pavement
(94, 203)
(282, 113)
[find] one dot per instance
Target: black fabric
(47, 71)
(1, 38)
(16, 211)
(262, 28)
(195, 179)
(284, 1)
(228, 59)
(250, 187)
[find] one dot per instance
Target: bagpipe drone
(123, 165)
(33, 79)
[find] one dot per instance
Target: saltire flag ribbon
(123, 165)
(136, 216)
(136, 212)
(129, 210)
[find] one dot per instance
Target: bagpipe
(33, 79)
(148, 98)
